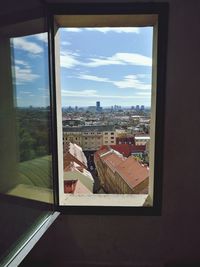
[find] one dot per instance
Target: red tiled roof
(101, 151)
(132, 171)
(124, 149)
(113, 160)
(128, 168)
(73, 153)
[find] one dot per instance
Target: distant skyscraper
(142, 108)
(137, 108)
(98, 106)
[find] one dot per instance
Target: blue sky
(110, 65)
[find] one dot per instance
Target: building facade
(77, 180)
(90, 138)
(121, 175)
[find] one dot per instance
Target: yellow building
(90, 138)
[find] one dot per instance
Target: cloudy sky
(111, 65)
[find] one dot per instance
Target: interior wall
(149, 241)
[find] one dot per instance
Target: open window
(61, 155)
(108, 79)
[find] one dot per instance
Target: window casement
(108, 15)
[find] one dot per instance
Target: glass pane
(32, 107)
(25, 151)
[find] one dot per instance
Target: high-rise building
(137, 108)
(98, 106)
(142, 108)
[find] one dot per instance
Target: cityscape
(106, 149)
(106, 109)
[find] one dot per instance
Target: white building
(75, 172)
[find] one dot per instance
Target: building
(74, 172)
(76, 177)
(141, 139)
(75, 187)
(128, 149)
(125, 140)
(90, 137)
(121, 175)
(98, 106)
(73, 153)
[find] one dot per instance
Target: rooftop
(127, 149)
(128, 168)
(89, 128)
(75, 151)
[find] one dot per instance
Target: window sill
(114, 200)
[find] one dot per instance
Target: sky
(110, 65)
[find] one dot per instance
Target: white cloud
(105, 29)
(43, 89)
(70, 60)
(20, 62)
(71, 29)
(95, 94)
(129, 81)
(42, 37)
(24, 92)
(121, 59)
(24, 75)
(65, 43)
(23, 44)
(144, 93)
(93, 78)
(79, 93)
(115, 29)
(133, 59)
(132, 81)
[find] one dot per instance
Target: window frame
(159, 9)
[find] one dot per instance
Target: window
(123, 19)
(34, 105)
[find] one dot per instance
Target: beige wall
(90, 141)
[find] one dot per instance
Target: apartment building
(141, 139)
(121, 175)
(73, 153)
(77, 179)
(90, 138)
(74, 172)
